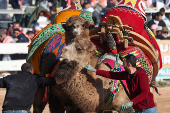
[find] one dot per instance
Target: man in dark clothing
(111, 3)
(137, 82)
(16, 5)
(21, 89)
(22, 38)
(19, 37)
(158, 20)
(53, 13)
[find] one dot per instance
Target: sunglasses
(165, 32)
(16, 33)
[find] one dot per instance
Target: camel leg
(39, 104)
(56, 104)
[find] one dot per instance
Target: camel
(88, 92)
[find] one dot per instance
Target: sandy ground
(163, 101)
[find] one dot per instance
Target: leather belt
(140, 110)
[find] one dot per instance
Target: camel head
(75, 57)
(75, 26)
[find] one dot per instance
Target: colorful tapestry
(114, 62)
(45, 35)
(51, 53)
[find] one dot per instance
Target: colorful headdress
(134, 4)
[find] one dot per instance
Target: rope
(115, 83)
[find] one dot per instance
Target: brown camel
(88, 92)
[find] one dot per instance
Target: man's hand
(90, 68)
(76, 75)
(127, 105)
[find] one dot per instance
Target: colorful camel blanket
(116, 66)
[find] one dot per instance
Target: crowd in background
(14, 33)
(159, 24)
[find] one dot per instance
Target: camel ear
(65, 27)
(86, 24)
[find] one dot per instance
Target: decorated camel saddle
(123, 31)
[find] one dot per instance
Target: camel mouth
(76, 31)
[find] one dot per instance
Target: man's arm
(3, 82)
(144, 87)
(112, 75)
(45, 81)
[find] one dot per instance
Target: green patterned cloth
(45, 35)
(87, 16)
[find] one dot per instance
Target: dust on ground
(163, 101)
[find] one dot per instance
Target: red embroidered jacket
(140, 93)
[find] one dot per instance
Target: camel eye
(72, 26)
(80, 50)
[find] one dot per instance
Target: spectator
(96, 16)
(99, 3)
(4, 26)
(53, 2)
(69, 2)
(164, 34)
(36, 29)
(19, 37)
(82, 3)
(63, 3)
(158, 20)
(16, 25)
(112, 3)
(158, 32)
(37, 2)
(165, 2)
(164, 18)
(30, 35)
(153, 28)
(53, 13)
(27, 2)
(148, 3)
(4, 38)
(16, 5)
(42, 20)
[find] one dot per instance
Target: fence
(13, 48)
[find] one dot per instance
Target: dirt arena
(163, 101)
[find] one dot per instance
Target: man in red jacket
(137, 82)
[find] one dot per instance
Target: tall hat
(133, 4)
